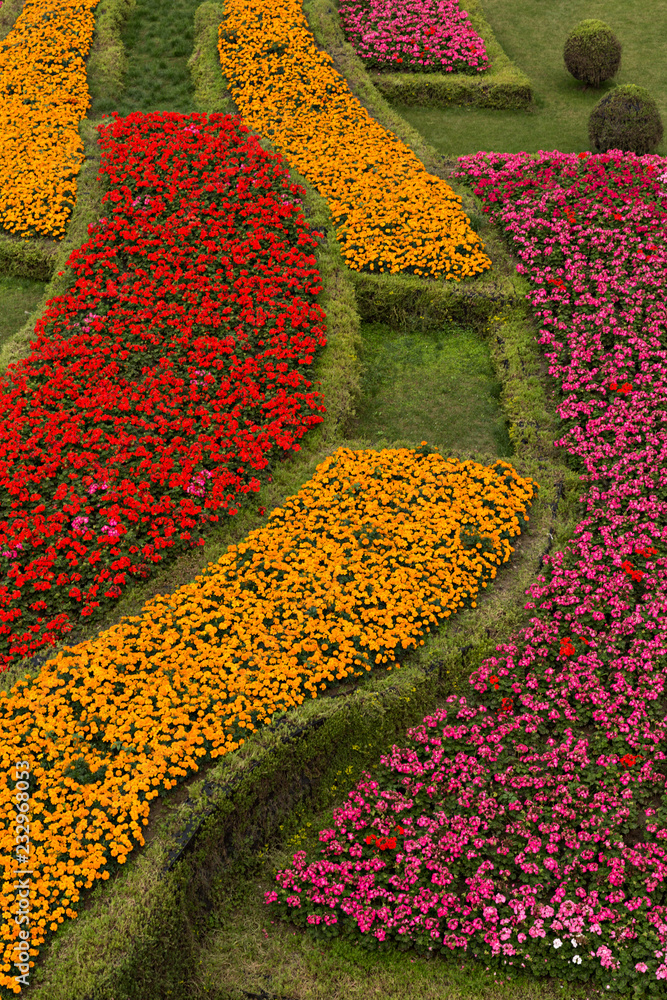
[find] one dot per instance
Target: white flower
(557, 942)
(574, 942)
(577, 959)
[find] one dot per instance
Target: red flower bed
(165, 380)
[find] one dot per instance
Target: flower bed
(44, 97)
(526, 823)
(389, 213)
(432, 36)
(372, 552)
(163, 383)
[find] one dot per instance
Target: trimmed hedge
(211, 94)
(141, 934)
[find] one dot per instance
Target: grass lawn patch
(441, 384)
(18, 299)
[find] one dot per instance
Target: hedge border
(165, 892)
(142, 929)
(503, 86)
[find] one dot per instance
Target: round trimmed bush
(626, 118)
(592, 53)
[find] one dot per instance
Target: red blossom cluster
(629, 759)
(625, 389)
(384, 843)
(636, 574)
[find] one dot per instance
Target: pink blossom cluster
(430, 35)
(534, 811)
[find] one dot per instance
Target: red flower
(629, 568)
(383, 843)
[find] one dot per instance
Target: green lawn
(158, 40)
(439, 387)
(532, 33)
(18, 298)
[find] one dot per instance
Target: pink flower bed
(526, 823)
(431, 36)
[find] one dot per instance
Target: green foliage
(592, 53)
(80, 771)
(627, 118)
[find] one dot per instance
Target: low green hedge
(211, 94)
(142, 933)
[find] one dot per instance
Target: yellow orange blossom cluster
(374, 550)
(388, 211)
(43, 97)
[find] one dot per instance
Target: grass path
(439, 386)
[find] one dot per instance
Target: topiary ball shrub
(627, 118)
(592, 53)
